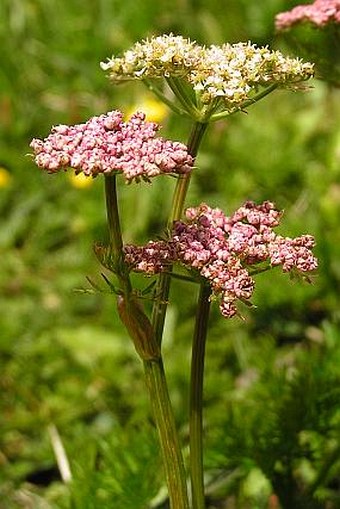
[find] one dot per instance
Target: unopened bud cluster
(225, 250)
(105, 144)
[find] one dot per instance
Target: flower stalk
(181, 189)
(141, 331)
(166, 426)
(130, 311)
(115, 234)
(196, 397)
(182, 185)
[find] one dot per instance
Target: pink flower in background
(319, 13)
(105, 144)
(226, 250)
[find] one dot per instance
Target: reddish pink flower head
(226, 250)
(319, 13)
(105, 144)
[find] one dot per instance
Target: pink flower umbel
(314, 29)
(226, 251)
(105, 144)
(319, 13)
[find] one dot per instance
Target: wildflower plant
(221, 253)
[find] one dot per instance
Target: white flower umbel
(209, 82)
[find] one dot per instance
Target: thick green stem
(141, 332)
(163, 287)
(165, 423)
(196, 397)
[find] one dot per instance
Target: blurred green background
(271, 390)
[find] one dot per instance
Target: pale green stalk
(158, 93)
(184, 96)
(165, 422)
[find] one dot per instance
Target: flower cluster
(231, 72)
(105, 144)
(319, 13)
(165, 55)
(225, 250)
(235, 71)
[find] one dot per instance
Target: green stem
(165, 423)
(141, 332)
(196, 397)
(183, 181)
(183, 95)
(116, 242)
(115, 233)
(179, 198)
(155, 90)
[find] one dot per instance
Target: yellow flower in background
(5, 177)
(155, 111)
(80, 181)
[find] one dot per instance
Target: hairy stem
(165, 423)
(196, 397)
(183, 181)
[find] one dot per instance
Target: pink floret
(226, 250)
(319, 13)
(105, 144)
